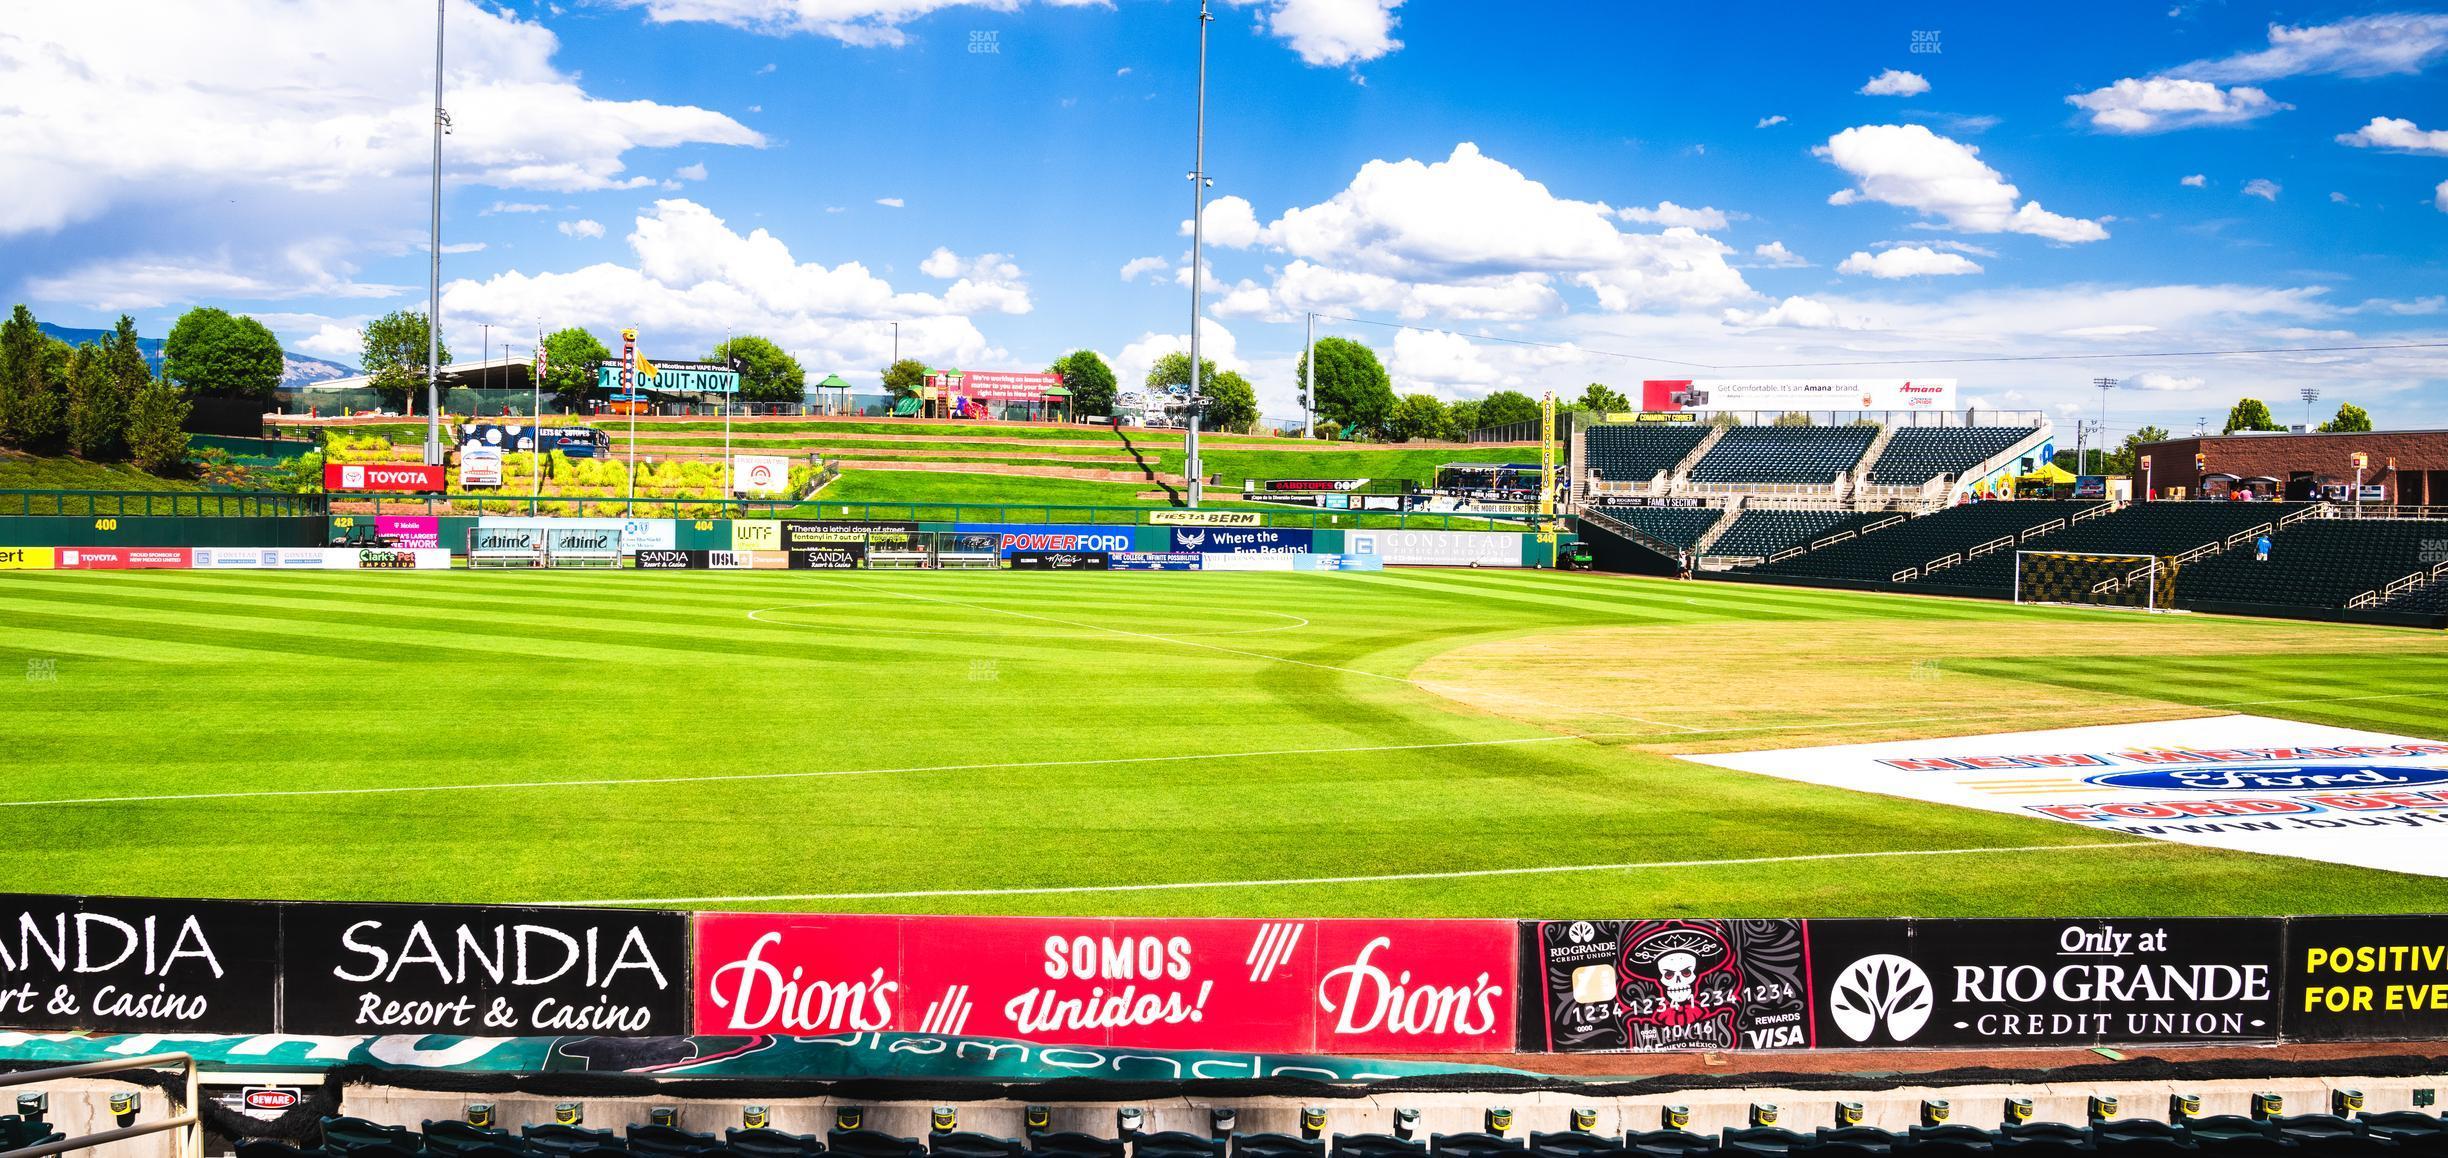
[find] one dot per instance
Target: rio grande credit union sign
(674, 377)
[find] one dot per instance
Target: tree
(1598, 398)
(767, 372)
(2350, 419)
(30, 377)
(1174, 370)
(1461, 418)
(2250, 414)
(394, 357)
(1089, 379)
(2126, 459)
(1232, 403)
(571, 359)
(1419, 416)
(156, 427)
(1506, 407)
(1351, 385)
(222, 355)
(94, 413)
(905, 377)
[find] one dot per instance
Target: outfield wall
(450, 532)
(1308, 986)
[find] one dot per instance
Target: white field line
(1406, 680)
(1283, 882)
(734, 777)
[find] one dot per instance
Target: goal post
(2096, 579)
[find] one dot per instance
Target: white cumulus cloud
(2399, 135)
(2439, 197)
(1799, 313)
(1669, 213)
(1911, 167)
(1229, 221)
(1896, 82)
(1766, 122)
(1132, 269)
(2160, 103)
(2394, 44)
(1774, 255)
(1334, 33)
(890, 202)
(692, 278)
(110, 102)
(1908, 261)
(583, 227)
(2263, 188)
(2195, 181)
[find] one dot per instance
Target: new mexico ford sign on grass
(2248, 783)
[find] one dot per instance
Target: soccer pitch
(1433, 743)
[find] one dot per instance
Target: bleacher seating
(1917, 454)
(2138, 529)
(1784, 455)
(1675, 526)
(1763, 532)
(2402, 1132)
(1634, 453)
(2315, 563)
(1877, 557)
(2428, 600)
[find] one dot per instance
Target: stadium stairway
(1619, 546)
(2162, 529)
(1897, 553)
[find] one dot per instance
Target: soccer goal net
(2090, 579)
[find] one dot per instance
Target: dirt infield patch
(1732, 687)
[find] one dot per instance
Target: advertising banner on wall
(2250, 783)
(1061, 561)
(480, 465)
(407, 477)
(1798, 394)
(2367, 978)
(1439, 548)
(409, 530)
(671, 560)
(1010, 537)
(1152, 561)
(133, 964)
(25, 559)
(1331, 985)
(486, 970)
(824, 532)
(760, 474)
(635, 534)
(1253, 540)
(1665, 985)
(2008, 983)
(122, 558)
(997, 385)
(829, 557)
(267, 558)
(756, 535)
(1172, 518)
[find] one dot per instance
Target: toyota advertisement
(409, 478)
(1327, 986)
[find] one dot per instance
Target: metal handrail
(190, 1147)
(1997, 544)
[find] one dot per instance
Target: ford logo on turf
(2276, 777)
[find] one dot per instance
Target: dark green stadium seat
(1377, 1146)
(343, 1135)
(1277, 1146)
(1627, 453)
(1670, 1143)
(2161, 529)
(1573, 1145)
(1917, 454)
(1875, 558)
(1473, 1145)
(1762, 532)
(864, 1143)
(672, 1141)
(1073, 1144)
(971, 1144)
(770, 1143)
(452, 1136)
(1675, 526)
(553, 1138)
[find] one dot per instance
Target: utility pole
(433, 289)
(1198, 207)
(1309, 384)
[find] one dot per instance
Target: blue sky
(1778, 186)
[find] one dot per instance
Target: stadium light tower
(1198, 206)
(433, 289)
(2105, 385)
(2311, 394)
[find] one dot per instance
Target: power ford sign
(1010, 537)
(2276, 778)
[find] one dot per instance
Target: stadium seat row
(2350, 1134)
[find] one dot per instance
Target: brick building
(2409, 466)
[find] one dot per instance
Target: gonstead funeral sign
(137, 965)
(482, 970)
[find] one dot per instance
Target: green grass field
(1429, 743)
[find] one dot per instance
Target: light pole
(2310, 395)
(2105, 385)
(1309, 383)
(1198, 206)
(433, 289)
